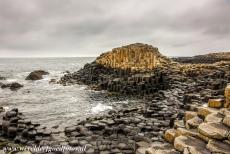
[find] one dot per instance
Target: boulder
(192, 144)
(218, 147)
(224, 111)
(12, 86)
(10, 114)
(170, 135)
(226, 120)
(214, 130)
(193, 123)
(36, 75)
(204, 111)
(215, 103)
(178, 124)
(214, 117)
(12, 132)
(15, 86)
(189, 115)
(186, 132)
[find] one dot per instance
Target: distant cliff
(208, 58)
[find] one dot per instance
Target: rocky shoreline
(168, 90)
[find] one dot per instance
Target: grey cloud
(86, 27)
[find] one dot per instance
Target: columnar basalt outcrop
(134, 57)
(132, 69)
(16, 127)
(204, 130)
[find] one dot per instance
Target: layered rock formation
(132, 69)
(134, 57)
(208, 58)
(204, 130)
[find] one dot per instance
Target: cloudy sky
(38, 28)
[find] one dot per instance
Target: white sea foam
(11, 80)
(100, 108)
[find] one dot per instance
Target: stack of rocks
(21, 130)
(132, 69)
(205, 130)
(134, 57)
(139, 84)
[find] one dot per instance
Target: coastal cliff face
(134, 57)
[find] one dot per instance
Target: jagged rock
(224, 111)
(214, 130)
(36, 75)
(218, 147)
(10, 114)
(178, 124)
(170, 135)
(193, 123)
(226, 120)
(194, 145)
(214, 117)
(215, 103)
(189, 115)
(186, 132)
(204, 111)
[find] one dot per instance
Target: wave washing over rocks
(167, 90)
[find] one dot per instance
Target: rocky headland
(208, 58)
(172, 108)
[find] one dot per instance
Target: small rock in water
(36, 75)
(12, 86)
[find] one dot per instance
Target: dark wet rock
(12, 132)
(10, 114)
(15, 86)
(12, 86)
(208, 58)
(2, 78)
(52, 81)
(36, 75)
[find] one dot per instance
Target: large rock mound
(132, 69)
(137, 57)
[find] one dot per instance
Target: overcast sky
(38, 28)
